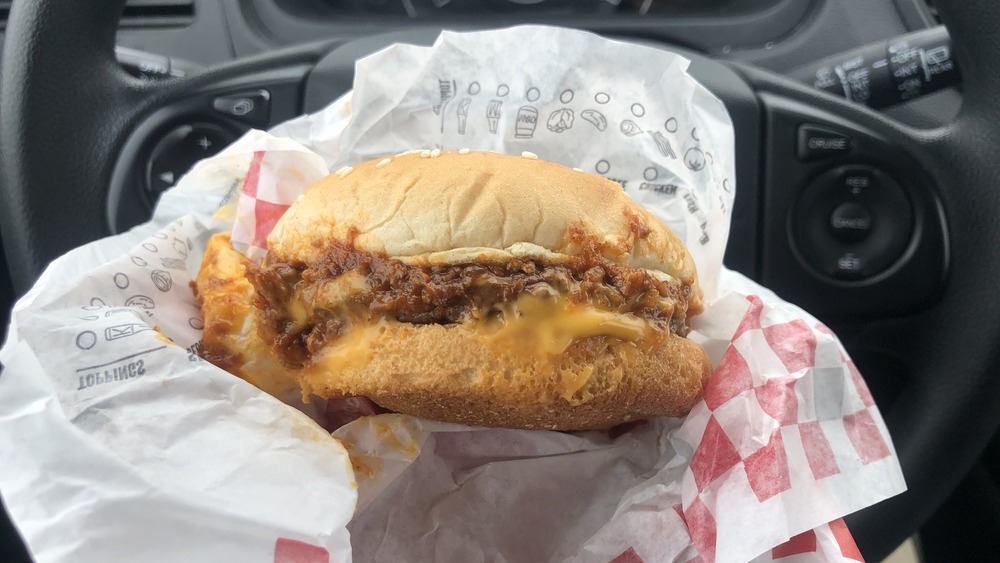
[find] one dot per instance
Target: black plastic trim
(916, 14)
(710, 33)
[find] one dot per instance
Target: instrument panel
(437, 9)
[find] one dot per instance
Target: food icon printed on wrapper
(630, 128)
(493, 114)
(662, 144)
(595, 118)
(463, 114)
(447, 94)
(560, 120)
(527, 120)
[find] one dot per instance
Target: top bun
(457, 206)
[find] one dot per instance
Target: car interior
(866, 141)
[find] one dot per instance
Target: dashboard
(778, 35)
(459, 8)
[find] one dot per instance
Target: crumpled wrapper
(120, 443)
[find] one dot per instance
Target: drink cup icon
(527, 120)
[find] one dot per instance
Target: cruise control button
(859, 182)
(849, 267)
(851, 222)
(148, 66)
(817, 142)
(252, 107)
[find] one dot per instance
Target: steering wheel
(69, 109)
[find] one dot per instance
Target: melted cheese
(330, 295)
(542, 327)
(551, 325)
(352, 349)
(547, 325)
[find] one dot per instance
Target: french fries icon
(493, 114)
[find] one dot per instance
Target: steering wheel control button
(179, 150)
(817, 142)
(252, 107)
(851, 223)
(858, 182)
(148, 66)
(849, 266)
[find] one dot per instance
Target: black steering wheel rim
(62, 84)
(65, 97)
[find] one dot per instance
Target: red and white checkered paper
(274, 178)
(787, 432)
(829, 542)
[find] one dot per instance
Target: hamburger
(466, 287)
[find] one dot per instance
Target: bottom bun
(448, 373)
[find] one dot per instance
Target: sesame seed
(300, 198)
(577, 170)
(425, 154)
(529, 155)
(383, 162)
(463, 151)
(435, 153)
(343, 172)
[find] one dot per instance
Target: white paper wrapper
(119, 443)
